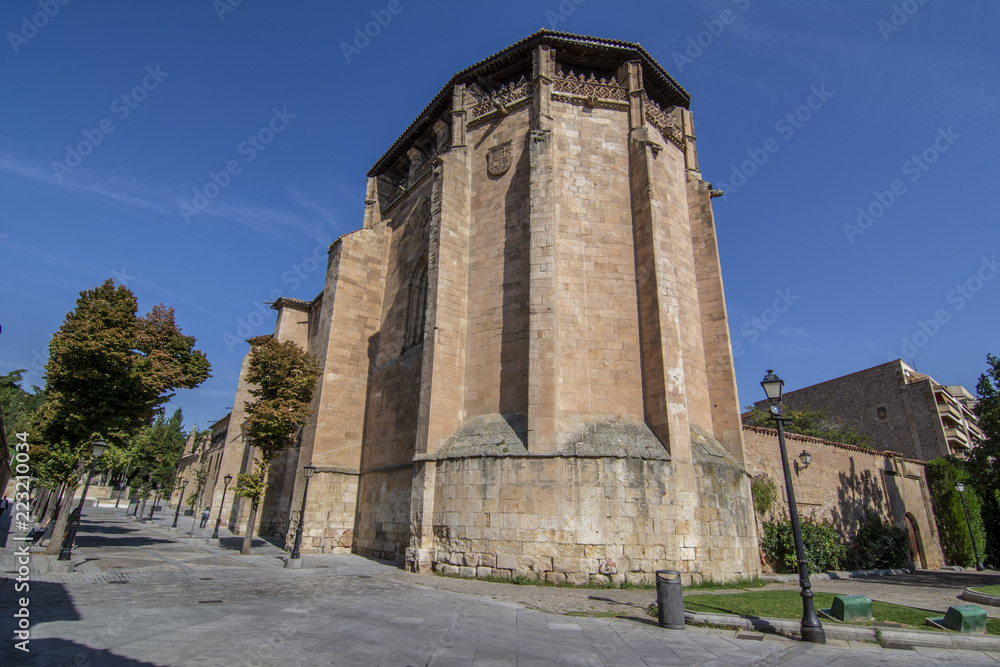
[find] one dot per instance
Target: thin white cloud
(126, 196)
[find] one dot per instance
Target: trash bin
(670, 599)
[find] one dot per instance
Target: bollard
(670, 599)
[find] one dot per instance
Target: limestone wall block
(507, 561)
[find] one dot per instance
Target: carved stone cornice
(499, 102)
(417, 176)
(656, 117)
(578, 88)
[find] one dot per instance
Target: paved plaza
(142, 595)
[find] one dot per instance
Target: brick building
(897, 409)
(525, 352)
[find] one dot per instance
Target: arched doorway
(916, 544)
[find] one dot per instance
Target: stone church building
(525, 352)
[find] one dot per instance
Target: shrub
(942, 474)
(807, 421)
(879, 545)
(820, 540)
(991, 522)
(765, 494)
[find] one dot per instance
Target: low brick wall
(844, 483)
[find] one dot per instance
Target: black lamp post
(308, 470)
(180, 501)
(960, 487)
(227, 479)
(66, 553)
(811, 629)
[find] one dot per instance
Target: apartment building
(898, 409)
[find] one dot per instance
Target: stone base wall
(592, 519)
(382, 528)
(330, 512)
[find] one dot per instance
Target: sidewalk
(181, 601)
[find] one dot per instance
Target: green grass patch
(989, 590)
(738, 584)
(525, 581)
(788, 604)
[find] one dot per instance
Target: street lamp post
(66, 553)
(296, 555)
(960, 487)
(180, 501)
(810, 628)
(227, 479)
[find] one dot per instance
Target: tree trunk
(248, 536)
(41, 505)
(59, 532)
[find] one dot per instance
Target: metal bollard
(670, 599)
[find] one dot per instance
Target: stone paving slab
(357, 611)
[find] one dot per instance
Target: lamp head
(228, 479)
(806, 458)
(773, 386)
(960, 487)
(309, 470)
(98, 449)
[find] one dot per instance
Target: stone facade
(201, 459)
(525, 352)
(896, 408)
(844, 484)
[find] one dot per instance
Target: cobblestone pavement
(146, 597)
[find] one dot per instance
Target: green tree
(109, 371)
(983, 464)
(942, 474)
(18, 405)
(283, 377)
(808, 421)
(154, 453)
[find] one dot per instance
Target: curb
(825, 576)
(980, 598)
(890, 637)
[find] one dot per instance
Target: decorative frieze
(415, 178)
(588, 90)
(499, 102)
(662, 122)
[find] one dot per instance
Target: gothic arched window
(416, 309)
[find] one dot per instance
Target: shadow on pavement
(63, 652)
(941, 579)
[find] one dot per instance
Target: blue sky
(805, 112)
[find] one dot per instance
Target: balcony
(950, 412)
(956, 437)
(976, 432)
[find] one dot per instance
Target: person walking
(204, 517)
(4, 503)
